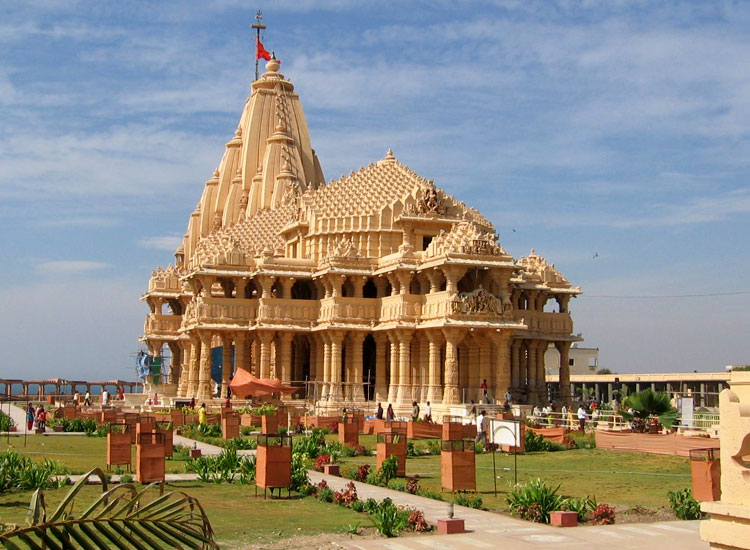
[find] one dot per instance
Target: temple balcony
(221, 311)
(162, 326)
(348, 310)
(283, 311)
(437, 305)
(401, 307)
(548, 323)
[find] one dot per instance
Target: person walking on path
(481, 429)
(581, 417)
(428, 413)
(389, 415)
(76, 398)
(202, 414)
(30, 414)
(379, 412)
(414, 411)
(87, 399)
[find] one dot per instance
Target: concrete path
(491, 530)
(206, 448)
(18, 415)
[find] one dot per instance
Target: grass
(236, 514)
(79, 453)
(622, 479)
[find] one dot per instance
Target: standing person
(595, 417)
(202, 415)
(192, 403)
(41, 418)
(122, 393)
(105, 398)
(30, 414)
(389, 415)
(472, 409)
(484, 391)
(571, 420)
(379, 412)
(564, 415)
(414, 411)
(37, 415)
(428, 413)
(481, 429)
(87, 399)
(509, 397)
(581, 417)
(76, 398)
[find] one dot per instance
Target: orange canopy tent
(245, 385)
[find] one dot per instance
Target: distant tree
(605, 371)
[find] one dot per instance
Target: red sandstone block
(331, 469)
(195, 453)
(563, 519)
(450, 526)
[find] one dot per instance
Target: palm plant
(648, 403)
(119, 519)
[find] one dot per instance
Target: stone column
(453, 337)
(182, 385)
(337, 338)
(564, 349)
(434, 388)
(326, 386)
(523, 370)
(422, 369)
(393, 368)
(541, 377)
(195, 354)
(226, 362)
(266, 338)
(381, 389)
(453, 274)
(356, 340)
(285, 356)
(404, 366)
(203, 391)
(358, 283)
(503, 381)
(515, 364)
(531, 373)
(485, 349)
(240, 352)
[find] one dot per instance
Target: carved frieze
(478, 301)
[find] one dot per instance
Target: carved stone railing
(222, 311)
(169, 283)
(556, 323)
(348, 309)
(288, 311)
(401, 307)
(162, 325)
(437, 305)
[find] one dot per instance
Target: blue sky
(616, 128)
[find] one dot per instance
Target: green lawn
(623, 479)
(79, 453)
(236, 514)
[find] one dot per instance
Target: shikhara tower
(377, 286)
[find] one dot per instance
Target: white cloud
(170, 243)
(71, 266)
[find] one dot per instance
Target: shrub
(469, 500)
(358, 506)
(603, 514)
(411, 450)
(325, 495)
(417, 521)
(299, 478)
(429, 493)
(321, 461)
(126, 478)
(360, 450)
(534, 501)
(362, 472)
(397, 485)
(370, 505)
(6, 422)
(412, 484)
(246, 430)
(433, 446)
(388, 469)
(581, 506)
(348, 495)
(684, 505)
(312, 445)
(537, 443)
(389, 520)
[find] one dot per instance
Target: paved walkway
(490, 530)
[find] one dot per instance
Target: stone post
(195, 354)
(241, 352)
(453, 337)
(531, 373)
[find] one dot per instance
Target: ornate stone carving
(344, 248)
(431, 202)
(478, 301)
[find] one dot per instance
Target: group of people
(389, 415)
(567, 418)
(105, 400)
(36, 418)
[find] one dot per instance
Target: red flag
(261, 52)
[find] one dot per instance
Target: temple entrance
(368, 367)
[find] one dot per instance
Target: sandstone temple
(377, 286)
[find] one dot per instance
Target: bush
(362, 472)
(582, 440)
(397, 485)
(469, 500)
(358, 506)
(389, 520)
(20, 472)
(684, 505)
(534, 501)
(433, 446)
(388, 469)
(311, 445)
(581, 506)
(299, 472)
(603, 515)
(321, 461)
(223, 468)
(325, 495)
(370, 505)
(411, 450)
(417, 521)
(537, 443)
(246, 430)
(412, 484)
(429, 493)
(6, 422)
(126, 478)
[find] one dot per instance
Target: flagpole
(257, 26)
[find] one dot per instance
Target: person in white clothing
(428, 413)
(105, 398)
(481, 429)
(581, 417)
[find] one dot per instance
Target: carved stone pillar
(356, 340)
(195, 355)
(564, 349)
(239, 288)
(515, 365)
(421, 368)
(485, 370)
(284, 362)
(473, 366)
(404, 366)
(266, 338)
(381, 284)
(434, 388)
(381, 389)
(203, 391)
(184, 380)
(326, 386)
(358, 283)
(241, 356)
(523, 371)
(226, 362)
(433, 276)
(541, 377)
(531, 373)
(286, 287)
(393, 368)
(453, 274)
(337, 338)
(453, 337)
(502, 378)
